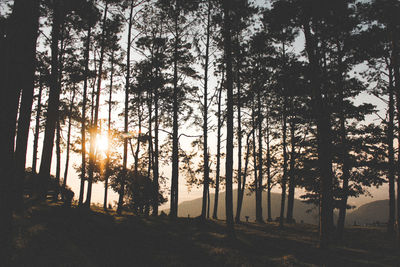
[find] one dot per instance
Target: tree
(37, 124)
(218, 156)
(280, 27)
(178, 15)
(27, 87)
(17, 65)
(89, 22)
(205, 116)
(74, 77)
(381, 21)
(241, 23)
(59, 12)
(132, 5)
(229, 117)
(114, 29)
(322, 119)
(94, 126)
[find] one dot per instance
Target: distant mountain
(376, 211)
(193, 207)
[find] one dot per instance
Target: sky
(184, 193)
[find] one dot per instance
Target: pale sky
(184, 194)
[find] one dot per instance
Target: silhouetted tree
(18, 50)
(227, 37)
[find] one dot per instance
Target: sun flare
(102, 142)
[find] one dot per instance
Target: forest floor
(50, 235)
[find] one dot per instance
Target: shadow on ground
(50, 235)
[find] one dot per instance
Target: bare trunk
(218, 165)
(239, 137)
(255, 158)
(260, 159)
(268, 172)
(136, 155)
(229, 119)
(208, 204)
(83, 122)
(37, 127)
(155, 165)
(53, 102)
(285, 159)
(107, 171)
(391, 168)
(126, 112)
(94, 128)
(71, 106)
(205, 122)
(239, 178)
(243, 185)
(292, 175)
(58, 155)
(175, 128)
(150, 148)
(58, 123)
(344, 156)
(396, 74)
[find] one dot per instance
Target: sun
(102, 142)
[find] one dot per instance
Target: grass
(50, 235)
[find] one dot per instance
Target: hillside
(376, 211)
(193, 207)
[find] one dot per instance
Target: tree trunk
(156, 154)
(83, 122)
(175, 128)
(27, 86)
(255, 158)
(218, 165)
(285, 158)
(208, 204)
(37, 127)
(239, 137)
(93, 94)
(260, 159)
(58, 156)
(71, 106)
(94, 128)
(150, 148)
(344, 154)
(396, 74)
(136, 155)
(126, 112)
(391, 168)
(107, 171)
(322, 118)
(16, 64)
(58, 123)
(53, 101)
(229, 118)
(292, 174)
(243, 185)
(268, 171)
(205, 118)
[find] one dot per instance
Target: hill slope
(193, 207)
(376, 211)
